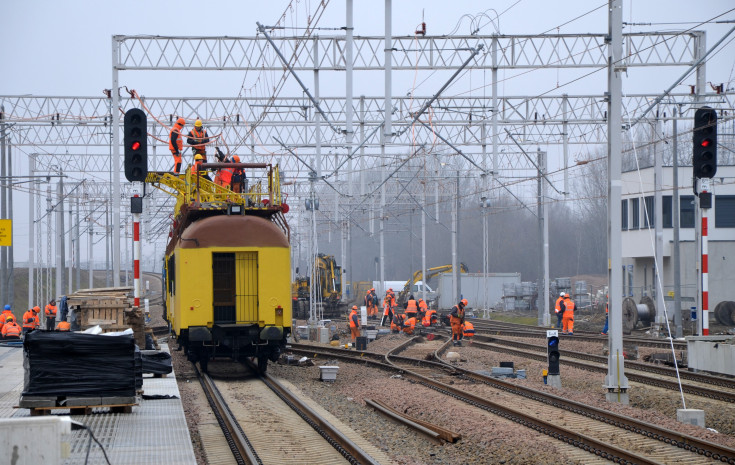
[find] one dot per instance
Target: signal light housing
(704, 138)
(136, 144)
(553, 352)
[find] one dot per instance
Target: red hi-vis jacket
(174, 137)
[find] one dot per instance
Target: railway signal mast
(136, 169)
(704, 164)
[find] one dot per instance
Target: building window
(634, 211)
(725, 211)
(649, 213)
(666, 209)
(686, 211)
(624, 214)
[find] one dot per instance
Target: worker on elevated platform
(50, 311)
(456, 319)
(176, 143)
(198, 138)
(224, 175)
(354, 323)
(568, 318)
(239, 180)
(198, 160)
(11, 330)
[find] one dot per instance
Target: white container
(302, 332)
(328, 373)
(49, 445)
(324, 335)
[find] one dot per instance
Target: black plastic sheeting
(75, 364)
(158, 363)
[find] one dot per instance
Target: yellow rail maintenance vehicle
(227, 264)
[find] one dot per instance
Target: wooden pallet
(81, 409)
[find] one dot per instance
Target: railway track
(700, 379)
(596, 432)
(265, 422)
(519, 330)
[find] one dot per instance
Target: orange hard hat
(354, 307)
(181, 121)
(36, 309)
(464, 302)
(236, 158)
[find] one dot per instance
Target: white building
(638, 239)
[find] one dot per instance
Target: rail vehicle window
(171, 275)
(223, 287)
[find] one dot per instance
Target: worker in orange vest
(50, 312)
(224, 175)
(197, 138)
(429, 318)
(370, 302)
(412, 308)
(397, 323)
(3, 316)
(409, 325)
(63, 326)
(568, 318)
(176, 143)
(30, 321)
(354, 323)
(456, 319)
(10, 330)
(387, 310)
(468, 330)
(558, 310)
(423, 307)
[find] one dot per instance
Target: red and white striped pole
(705, 200)
(136, 257)
(705, 277)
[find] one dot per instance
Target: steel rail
(239, 444)
(681, 440)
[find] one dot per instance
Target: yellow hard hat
(9, 318)
(198, 157)
(198, 123)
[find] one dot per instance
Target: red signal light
(136, 145)
(706, 143)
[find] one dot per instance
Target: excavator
(328, 291)
(403, 295)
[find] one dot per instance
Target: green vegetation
(514, 318)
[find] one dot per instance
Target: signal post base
(618, 395)
(554, 381)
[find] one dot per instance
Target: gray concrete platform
(154, 433)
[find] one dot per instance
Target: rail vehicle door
(247, 287)
(223, 288)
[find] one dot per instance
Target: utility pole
(675, 218)
(3, 214)
(616, 382)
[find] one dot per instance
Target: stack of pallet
(110, 308)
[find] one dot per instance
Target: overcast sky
(64, 48)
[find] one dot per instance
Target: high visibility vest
(428, 317)
(179, 140)
(568, 306)
(50, 310)
(411, 306)
(557, 306)
(225, 175)
(353, 315)
(29, 319)
(11, 329)
(63, 326)
(199, 136)
(469, 329)
(423, 305)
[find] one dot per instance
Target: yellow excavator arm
(430, 273)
